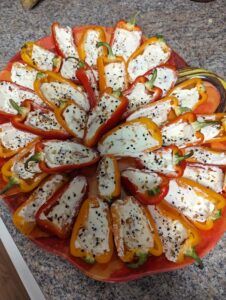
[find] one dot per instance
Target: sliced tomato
(212, 102)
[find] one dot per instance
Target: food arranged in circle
(113, 151)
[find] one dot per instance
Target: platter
(116, 270)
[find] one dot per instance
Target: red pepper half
(169, 161)
(125, 32)
(38, 120)
(166, 77)
(64, 40)
(87, 78)
(58, 156)
(104, 116)
(142, 91)
(57, 215)
(146, 186)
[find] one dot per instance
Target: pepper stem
(160, 37)
(11, 183)
(133, 20)
(217, 215)
(110, 52)
(80, 63)
(149, 84)
(36, 157)
(117, 93)
(181, 110)
(199, 125)
(89, 259)
(178, 158)
(142, 258)
(153, 192)
(192, 253)
(19, 109)
(40, 75)
(56, 61)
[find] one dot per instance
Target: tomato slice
(212, 102)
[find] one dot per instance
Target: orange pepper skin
(80, 222)
(81, 45)
(102, 62)
(19, 122)
(129, 255)
(189, 84)
(26, 55)
(221, 119)
(193, 235)
(60, 118)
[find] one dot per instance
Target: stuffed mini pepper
(91, 238)
(135, 234)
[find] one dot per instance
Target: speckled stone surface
(198, 32)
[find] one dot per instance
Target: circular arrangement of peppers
(94, 177)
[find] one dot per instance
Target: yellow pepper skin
(26, 55)
(12, 179)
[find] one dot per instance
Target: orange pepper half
(83, 225)
(135, 256)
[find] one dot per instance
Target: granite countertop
(198, 32)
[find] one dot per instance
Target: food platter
(116, 270)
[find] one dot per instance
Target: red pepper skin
(145, 198)
(18, 122)
(85, 81)
(168, 66)
(179, 168)
(47, 207)
(143, 79)
(124, 25)
(44, 167)
(57, 46)
(155, 93)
